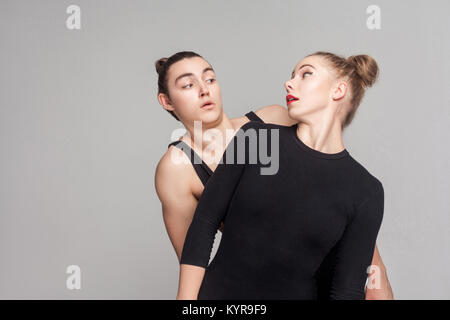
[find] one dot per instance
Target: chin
(295, 114)
(212, 116)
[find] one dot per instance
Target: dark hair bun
(159, 65)
(366, 67)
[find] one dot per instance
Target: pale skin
(179, 187)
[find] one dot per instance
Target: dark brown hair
(362, 72)
(162, 67)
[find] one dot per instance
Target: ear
(340, 90)
(165, 102)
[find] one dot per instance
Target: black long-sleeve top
(282, 225)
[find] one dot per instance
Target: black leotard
(280, 228)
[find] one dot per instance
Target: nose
(204, 91)
(288, 85)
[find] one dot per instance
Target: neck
(209, 140)
(323, 134)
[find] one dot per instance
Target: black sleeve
(213, 205)
(355, 249)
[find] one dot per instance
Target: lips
(207, 105)
(290, 98)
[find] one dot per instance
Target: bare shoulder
(275, 114)
(173, 175)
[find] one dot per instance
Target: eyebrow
(304, 65)
(189, 74)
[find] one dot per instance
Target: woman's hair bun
(159, 64)
(366, 67)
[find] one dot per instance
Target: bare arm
(173, 183)
(275, 114)
(385, 291)
(191, 278)
(173, 186)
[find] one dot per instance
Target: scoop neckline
(314, 152)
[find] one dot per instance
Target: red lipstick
(290, 98)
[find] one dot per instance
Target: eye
(211, 80)
(307, 72)
(294, 74)
(187, 86)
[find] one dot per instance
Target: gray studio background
(81, 130)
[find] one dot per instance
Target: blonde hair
(362, 72)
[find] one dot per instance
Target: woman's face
(194, 91)
(310, 89)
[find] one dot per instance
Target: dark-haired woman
(280, 228)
